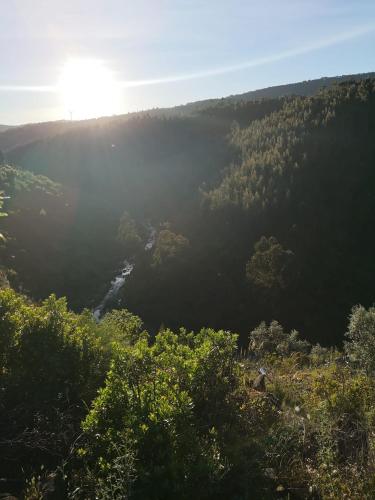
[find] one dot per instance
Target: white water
(118, 282)
(151, 238)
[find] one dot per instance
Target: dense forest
(284, 184)
(233, 225)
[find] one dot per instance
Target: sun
(89, 89)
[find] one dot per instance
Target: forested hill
(306, 88)
(19, 136)
(263, 210)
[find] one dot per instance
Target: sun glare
(89, 89)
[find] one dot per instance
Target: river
(118, 282)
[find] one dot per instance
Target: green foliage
(273, 339)
(319, 355)
(361, 335)
(13, 179)
(272, 149)
(48, 346)
(122, 327)
(176, 409)
(100, 411)
(4, 283)
(2, 214)
(169, 247)
(169, 402)
(16, 183)
(339, 406)
(127, 233)
(270, 265)
(52, 362)
(115, 483)
(321, 443)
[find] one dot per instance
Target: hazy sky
(167, 52)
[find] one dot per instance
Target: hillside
(25, 134)
(151, 167)
(287, 231)
(13, 137)
(306, 88)
(297, 171)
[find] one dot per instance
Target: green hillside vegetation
(146, 166)
(187, 386)
(303, 176)
(94, 410)
(49, 243)
(295, 170)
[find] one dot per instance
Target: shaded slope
(296, 170)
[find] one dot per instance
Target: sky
(154, 53)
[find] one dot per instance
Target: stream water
(118, 282)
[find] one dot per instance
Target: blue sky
(167, 52)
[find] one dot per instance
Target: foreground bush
(102, 411)
(170, 405)
(361, 334)
(52, 362)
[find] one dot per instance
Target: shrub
(127, 233)
(169, 403)
(169, 247)
(52, 363)
(361, 335)
(270, 265)
(273, 340)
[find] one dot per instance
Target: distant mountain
(305, 88)
(13, 137)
